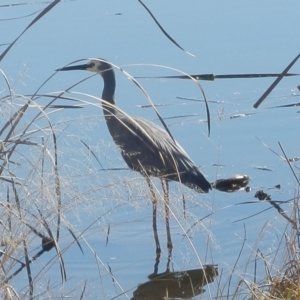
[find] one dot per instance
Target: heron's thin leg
(165, 187)
(184, 209)
(154, 203)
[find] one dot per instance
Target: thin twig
(162, 29)
(273, 85)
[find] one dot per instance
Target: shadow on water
(180, 285)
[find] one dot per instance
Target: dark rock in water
(261, 195)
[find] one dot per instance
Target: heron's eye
(91, 65)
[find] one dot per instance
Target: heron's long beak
(71, 68)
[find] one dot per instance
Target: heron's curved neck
(108, 93)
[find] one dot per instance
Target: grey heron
(145, 147)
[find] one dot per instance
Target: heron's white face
(98, 66)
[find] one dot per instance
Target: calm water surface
(113, 211)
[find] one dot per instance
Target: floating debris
(243, 115)
(218, 165)
(248, 189)
(262, 196)
(199, 100)
(293, 159)
(277, 186)
(286, 105)
(263, 168)
(156, 105)
(233, 184)
(238, 116)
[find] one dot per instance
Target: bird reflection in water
(180, 285)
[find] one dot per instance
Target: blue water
(225, 37)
